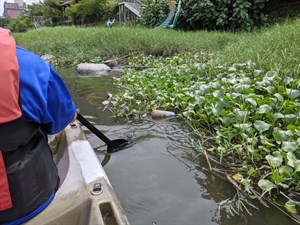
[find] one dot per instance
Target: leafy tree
(20, 24)
(35, 9)
(222, 14)
(53, 10)
(209, 14)
(3, 22)
(49, 9)
(90, 11)
(154, 12)
(25, 21)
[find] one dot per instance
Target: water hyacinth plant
(252, 115)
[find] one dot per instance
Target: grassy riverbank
(73, 44)
(273, 48)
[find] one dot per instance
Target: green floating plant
(254, 116)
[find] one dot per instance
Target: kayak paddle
(112, 145)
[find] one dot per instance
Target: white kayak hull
(79, 199)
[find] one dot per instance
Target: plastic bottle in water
(162, 114)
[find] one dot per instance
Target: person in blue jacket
(43, 105)
(110, 23)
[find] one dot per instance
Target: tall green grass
(273, 48)
(99, 41)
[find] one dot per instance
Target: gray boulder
(93, 70)
(111, 63)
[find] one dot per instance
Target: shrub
(3, 22)
(209, 14)
(222, 14)
(154, 13)
(20, 24)
(90, 11)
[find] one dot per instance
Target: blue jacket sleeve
(59, 103)
(45, 98)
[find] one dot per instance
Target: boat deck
(85, 195)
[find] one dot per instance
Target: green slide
(176, 15)
(168, 21)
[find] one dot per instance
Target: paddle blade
(116, 145)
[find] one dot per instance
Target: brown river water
(158, 179)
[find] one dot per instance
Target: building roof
(66, 3)
(9, 5)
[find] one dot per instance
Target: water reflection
(159, 179)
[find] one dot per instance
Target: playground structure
(129, 11)
(173, 15)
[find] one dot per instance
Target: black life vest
(30, 170)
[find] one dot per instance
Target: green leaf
(289, 146)
(287, 80)
(263, 148)
(216, 111)
(290, 118)
(279, 97)
(218, 93)
(251, 171)
(265, 141)
(277, 116)
(297, 166)
(285, 171)
(241, 87)
(261, 126)
(257, 72)
(274, 161)
(242, 115)
(291, 206)
(265, 185)
(291, 159)
(292, 127)
(271, 89)
(282, 135)
(276, 178)
(246, 183)
(249, 148)
(270, 75)
(243, 126)
(293, 93)
(228, 119)
(235, 95)
(251, 101)
(263, 109)
(281, 89)
(200, 100)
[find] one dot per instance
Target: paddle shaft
(93, 129)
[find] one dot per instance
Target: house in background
(13, 10)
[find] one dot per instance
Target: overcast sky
(27, 1)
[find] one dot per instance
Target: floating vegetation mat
(245, 119)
